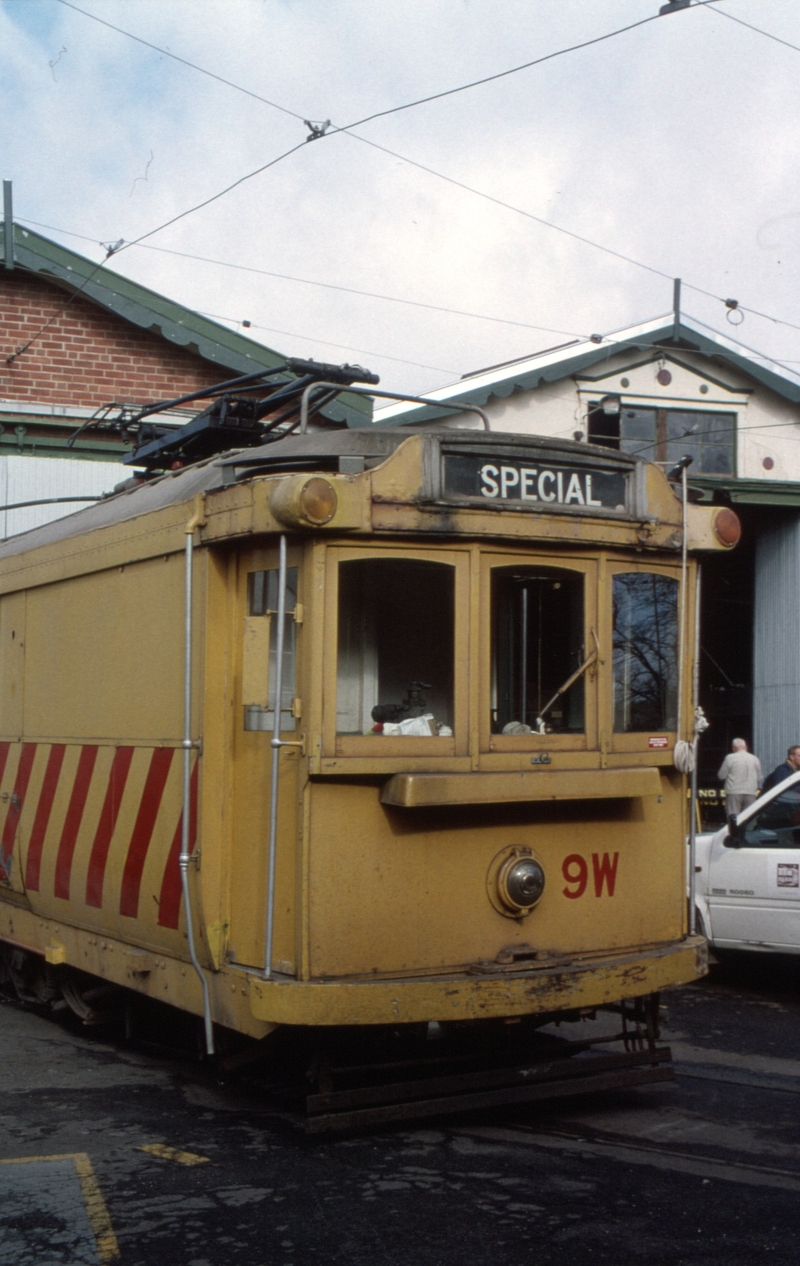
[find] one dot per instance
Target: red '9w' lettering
(575, 870)
(576, 873)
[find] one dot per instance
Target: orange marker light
(727, 527)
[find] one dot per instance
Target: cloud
(672, 144)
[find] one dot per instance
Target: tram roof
(341, 450)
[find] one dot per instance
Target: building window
(666, 435)
(707, 437)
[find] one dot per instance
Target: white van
(748, 876)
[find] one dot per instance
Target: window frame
(742, 842)
(658, 451)
(490, 743)
(258, 558)
(639, 740)
(396, 748)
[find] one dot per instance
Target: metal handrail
(693, 795)
(187, 745)
(276, 743)
(459, 406)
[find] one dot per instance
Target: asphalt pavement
(109, 1153)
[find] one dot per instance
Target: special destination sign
(540, 484)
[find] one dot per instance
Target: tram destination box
(547, 479)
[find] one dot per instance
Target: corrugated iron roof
(527, 374)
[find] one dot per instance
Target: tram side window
(537, 646)
(396, 647)
(261, 650)
(645, 652)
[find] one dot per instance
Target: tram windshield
(645, 652)
(396, 648)
(537, 646)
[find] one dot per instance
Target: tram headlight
(524, 883)
(300, 501)
(515, 882)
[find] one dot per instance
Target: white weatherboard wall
(36, 478)
(776, 645)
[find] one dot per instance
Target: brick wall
(87, 357)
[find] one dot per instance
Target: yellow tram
(468, 810)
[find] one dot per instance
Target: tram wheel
(92, 1002)
(31, 979)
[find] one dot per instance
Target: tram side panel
(93, 767)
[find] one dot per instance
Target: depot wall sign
(538, 485)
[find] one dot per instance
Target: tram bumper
(480, 995)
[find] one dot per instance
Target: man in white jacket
(741, 773)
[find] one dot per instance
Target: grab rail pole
(276, 744)
(187, 745)
(697, 733)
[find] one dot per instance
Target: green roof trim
(570, 364)
(153, 312)
(652, 358)
(746, 492)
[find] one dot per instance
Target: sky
(673, 144)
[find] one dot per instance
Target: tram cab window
(395, 647)
(645, 652)
(261, 650)
(537, 646)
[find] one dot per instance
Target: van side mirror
(735, 836)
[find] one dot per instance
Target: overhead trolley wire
(122, 245)
(183, 60)
(318, 134)
(783, 363)
(335, 130)
(325, 285)
(9, 360)
(379, 114)
(136, 241)
(758, 30)
(502, 74)
(363, 351)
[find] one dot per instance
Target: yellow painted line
(99, 1220)
(96, 1210)
(165, 1152)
